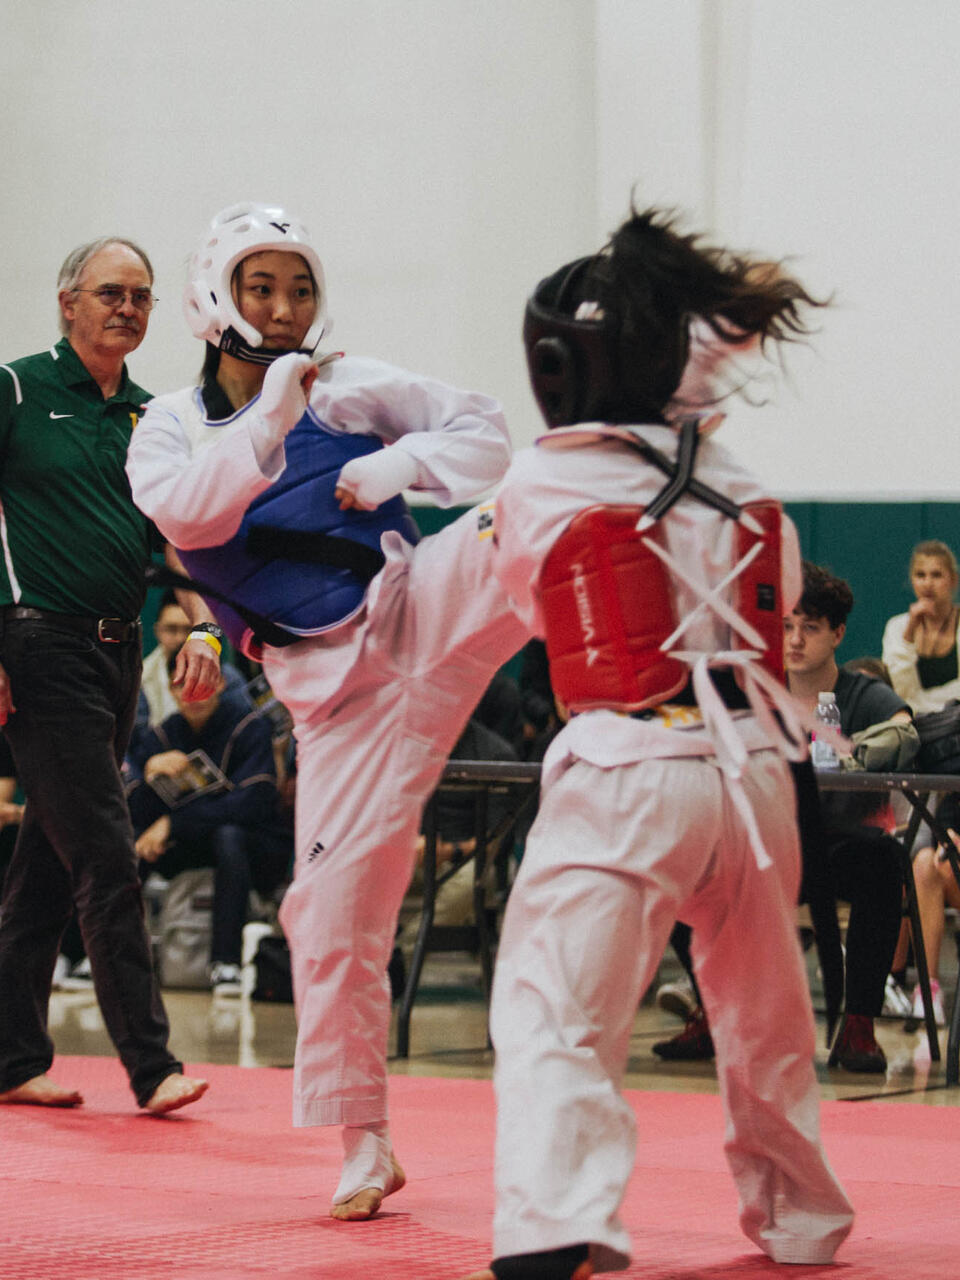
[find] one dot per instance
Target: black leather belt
(106, 630)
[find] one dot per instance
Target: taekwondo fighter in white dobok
(280, 483)
(658, 570)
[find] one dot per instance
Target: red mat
(227, 1190)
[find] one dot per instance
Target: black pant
(869, 876)
(75, 699)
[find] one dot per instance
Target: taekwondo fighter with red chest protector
(280, 482)
(659, 571)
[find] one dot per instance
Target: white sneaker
(678, 998)
(80, 977)
(226, 979)
(936, 999)
(61, 970)
(896, 999)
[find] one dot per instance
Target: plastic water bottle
(822, 752)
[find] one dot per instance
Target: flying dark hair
(651, 279)
(824, 596)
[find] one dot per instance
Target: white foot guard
(370, 1172)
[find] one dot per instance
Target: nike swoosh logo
(60, 415)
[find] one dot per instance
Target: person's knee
(947, 882)
(102, 904)
(925, 871)
(230, 845)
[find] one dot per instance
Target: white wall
(442, 152)
(824, 130)
(447, 153)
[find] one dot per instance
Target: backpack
(274, 980)
(185, 930)
(939, 740)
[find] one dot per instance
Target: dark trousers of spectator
(680, 938)
(868, 874)
(866, 866)
(75, 700)
(243, 858)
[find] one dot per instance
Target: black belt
(106, 630)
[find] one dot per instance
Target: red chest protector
(609, 607)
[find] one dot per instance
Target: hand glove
(283, 402)
(378, 477)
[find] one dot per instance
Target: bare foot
(41, 1092)
(366, 1202)
(175, 1091)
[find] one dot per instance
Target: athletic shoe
(896, 999)
(856, 1048)
(226, 979)
(80, 977)
(693, 1044)
(916, 1013)
(61, 971)
(678, 998)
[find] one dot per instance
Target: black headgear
(621, 359)
(571, 362)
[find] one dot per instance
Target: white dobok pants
(615, 856)
(377, 706)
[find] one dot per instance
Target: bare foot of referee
(41, 1092)
(365, 1203)
(173, 1092)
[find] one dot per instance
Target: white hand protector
(283, 403)
(378, 477)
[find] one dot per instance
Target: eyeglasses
(111, 295)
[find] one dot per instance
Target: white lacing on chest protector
(764, 694)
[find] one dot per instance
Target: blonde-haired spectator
(920, 646)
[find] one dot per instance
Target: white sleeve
(455, 443)
(527, 522)
(196, 497)
(900, 656)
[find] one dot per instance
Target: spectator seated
(202, 791)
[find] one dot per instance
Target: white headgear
(234, 234)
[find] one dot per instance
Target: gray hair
(77, 259)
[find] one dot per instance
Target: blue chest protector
(271, 574)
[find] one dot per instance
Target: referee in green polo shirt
(73, 549)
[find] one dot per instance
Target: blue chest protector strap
(265, 631)
(269, 541)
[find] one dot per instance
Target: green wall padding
(868, 543)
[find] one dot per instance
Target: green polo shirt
(72, 540)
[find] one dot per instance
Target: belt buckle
(108, 630)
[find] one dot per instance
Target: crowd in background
(235, 819)
(238, 820)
